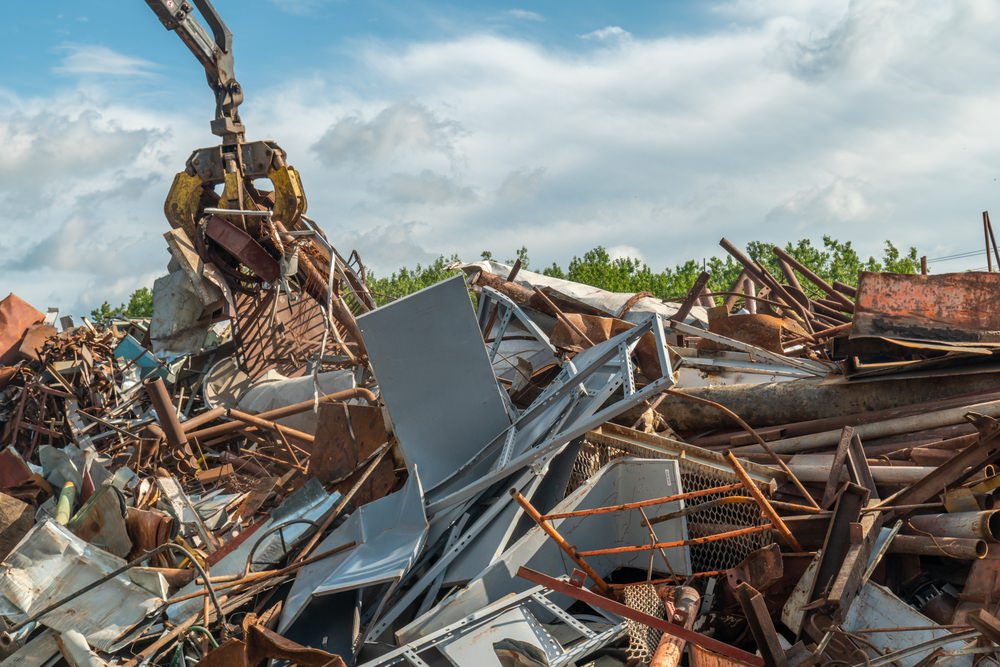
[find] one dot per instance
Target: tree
(140, 304)
(406, 281)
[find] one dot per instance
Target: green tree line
(833, 261)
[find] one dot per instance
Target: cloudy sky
(426, 128)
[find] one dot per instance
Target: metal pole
(559, 540)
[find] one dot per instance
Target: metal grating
(719, 555)
(642, 639)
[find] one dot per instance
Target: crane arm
(215, 52)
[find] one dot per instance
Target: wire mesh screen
(719, 555)
(642, 639)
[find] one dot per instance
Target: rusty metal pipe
(202, 419)
(679, 543)
(285, 411)
(890, 475)
(166, 413)
(982, 525)
(681, 605)
(568, 548)
(765, 506)
(834, 295)
(881, 429)
(949, 547)
(645, 503)
(254, 420)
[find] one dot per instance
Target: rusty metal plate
(282, 337)
(951, 307)
(243, 247)
(16, 316)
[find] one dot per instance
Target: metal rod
(254, 420)
(568, 548)
(644, 503)
(765, 506)
(678, 543)
(238, 212)
(278, 413)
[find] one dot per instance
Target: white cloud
(611, 33)
(93, 59)
(402, 128)
(625, 252)
(524, 15)
(426, 187)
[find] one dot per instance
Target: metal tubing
(202, 419)
(64, 506)
(949, 547)
(881, 429)
(568, 548)
(645, 503)
(982, 525)
(847, 304)
(285, 411)
(166, 413)
(680, 603)
(765, 506)
(679, 543)
(890, 475)
(254, 420)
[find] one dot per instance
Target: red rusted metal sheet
(951, 307)
(243, 247)
(282, 336)
(16, 317)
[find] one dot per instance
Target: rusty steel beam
(595, 600)
(761, 625)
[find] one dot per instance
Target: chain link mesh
(642, 639)
(719, 555)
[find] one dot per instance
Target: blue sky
(428, 128)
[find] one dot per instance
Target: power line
(960, 255)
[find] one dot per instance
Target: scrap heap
(788, 473)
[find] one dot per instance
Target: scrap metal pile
(272, 467)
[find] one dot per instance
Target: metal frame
(410, 653)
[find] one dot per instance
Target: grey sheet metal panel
(310, 503)
(877, 607)
(389, 534)
(621, 481)
(436, 379)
